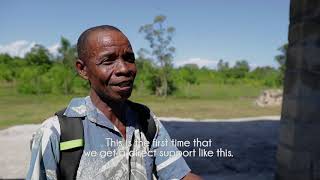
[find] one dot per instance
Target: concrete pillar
(298, 155)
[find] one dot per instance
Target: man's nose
(122, 68)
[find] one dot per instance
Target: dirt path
(252, 142)
(15, 150)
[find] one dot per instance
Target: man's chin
(120, 97)
(115, 95)
(124, 96)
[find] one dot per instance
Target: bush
(6, 73)
(58, 80)
(29, 80)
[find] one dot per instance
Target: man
(106, 60)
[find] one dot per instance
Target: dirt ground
(251, 141)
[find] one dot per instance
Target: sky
(206, 30)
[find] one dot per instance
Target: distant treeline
(39, 72)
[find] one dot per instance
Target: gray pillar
(298, 156)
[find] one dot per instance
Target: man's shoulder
(77, 107)
(49, 129)
(51, 124)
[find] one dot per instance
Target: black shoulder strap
(71, 145)
(72, 138)
(147, 124)
(146, 120)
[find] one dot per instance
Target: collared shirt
(102, 157)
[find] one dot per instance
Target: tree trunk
(165, 85)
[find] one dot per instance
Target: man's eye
(107, 62)
(132, 60)
(129, 58)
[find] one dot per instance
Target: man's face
(110, 65)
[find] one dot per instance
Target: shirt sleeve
(45, 151)
(169, 162)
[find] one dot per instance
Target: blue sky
(206, 30)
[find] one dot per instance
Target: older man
(110, 124)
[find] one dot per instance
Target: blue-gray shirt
(102, 157)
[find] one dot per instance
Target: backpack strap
(71, 145)
(146, 121)
(72, 138)
(147, 124)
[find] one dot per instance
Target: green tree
(39, 56)
(160, 37)
(265, 75)
(243, 65)
(192, 66)
(30, 81)
(261, 72)
(67, 53)
(281, 60)
(5, 59)
(188, 73)
(60, 78)
(222, 66)
(240, 69)
(11, 67)
(146, 77)
(187, 76)
(6, 71)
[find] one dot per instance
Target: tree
(222, 66)
(5, 59)
(188, 73)
(67, 53)
(192, 66)
(266, 75)
(262, 72)
(6, 72)
(146, 78)
(281, 59)
(159, 37)
(38, 55)
(243, 65)
(240, 69)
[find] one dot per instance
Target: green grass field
(197, 101)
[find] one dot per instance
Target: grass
(218, 91)
(197, 101)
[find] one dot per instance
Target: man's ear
(82, 69)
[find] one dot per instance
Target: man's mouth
(124, 85)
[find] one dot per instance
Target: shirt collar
(83, 107)
(76, 108)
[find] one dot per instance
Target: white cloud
(199, 61)
(21, 47)
(253, 66)
(53, 49)
(17, 48)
